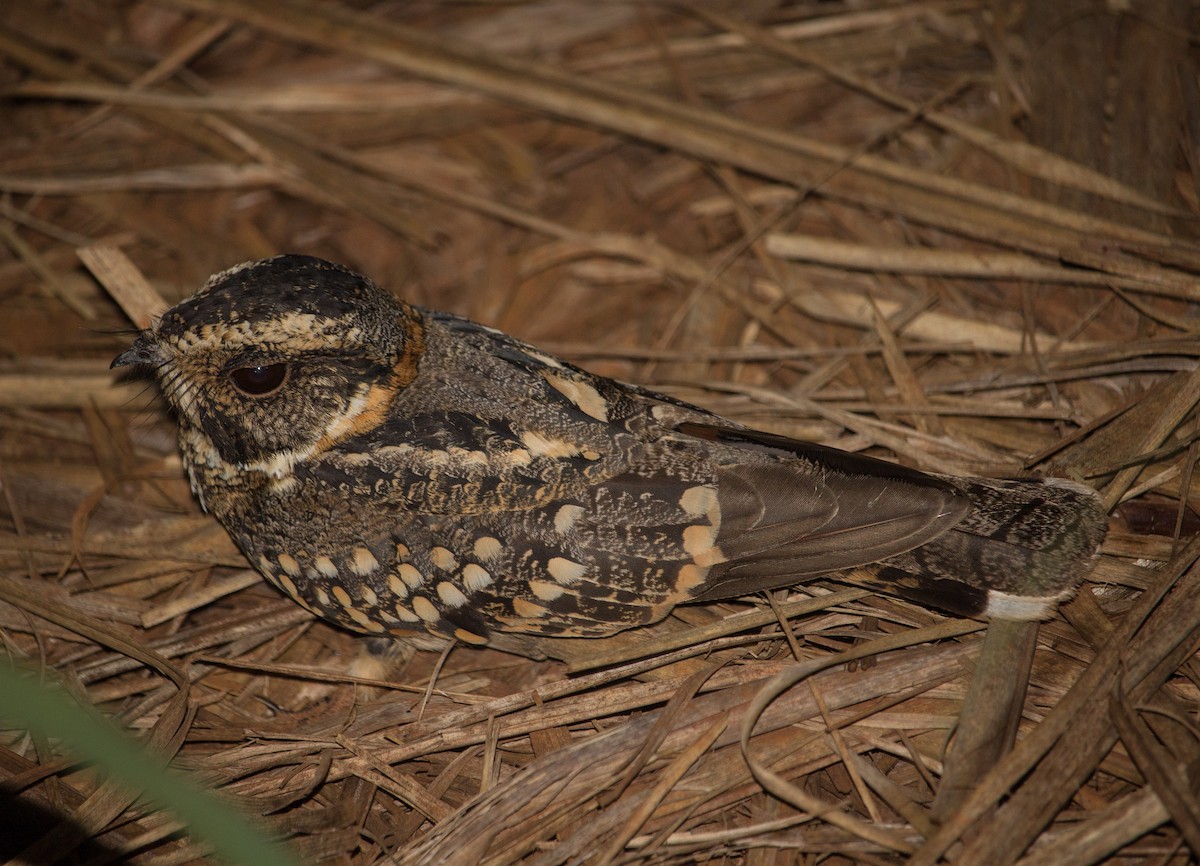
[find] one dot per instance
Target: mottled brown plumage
(394, 468)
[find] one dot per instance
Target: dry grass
(834, 221)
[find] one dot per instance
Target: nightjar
(391, 467)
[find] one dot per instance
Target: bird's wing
(456, 462)
(576, 543)
(878, 510)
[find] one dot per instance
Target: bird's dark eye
(259, 381)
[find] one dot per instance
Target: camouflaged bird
(391, 467)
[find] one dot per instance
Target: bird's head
(276, 360)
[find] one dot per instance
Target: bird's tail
(1023, 548)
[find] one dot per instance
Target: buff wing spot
(582, 395)
(565, 570)
(424, 608)
(410, 575)
(285, 583)
(488, 549)
(699, 542)
(545, 590)
(443, 559)
(470, 637)
(689, 577)
(397, 586)
(475, 577)
(364, 562)
(527, 609)
(450, 594)
(565, 518)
